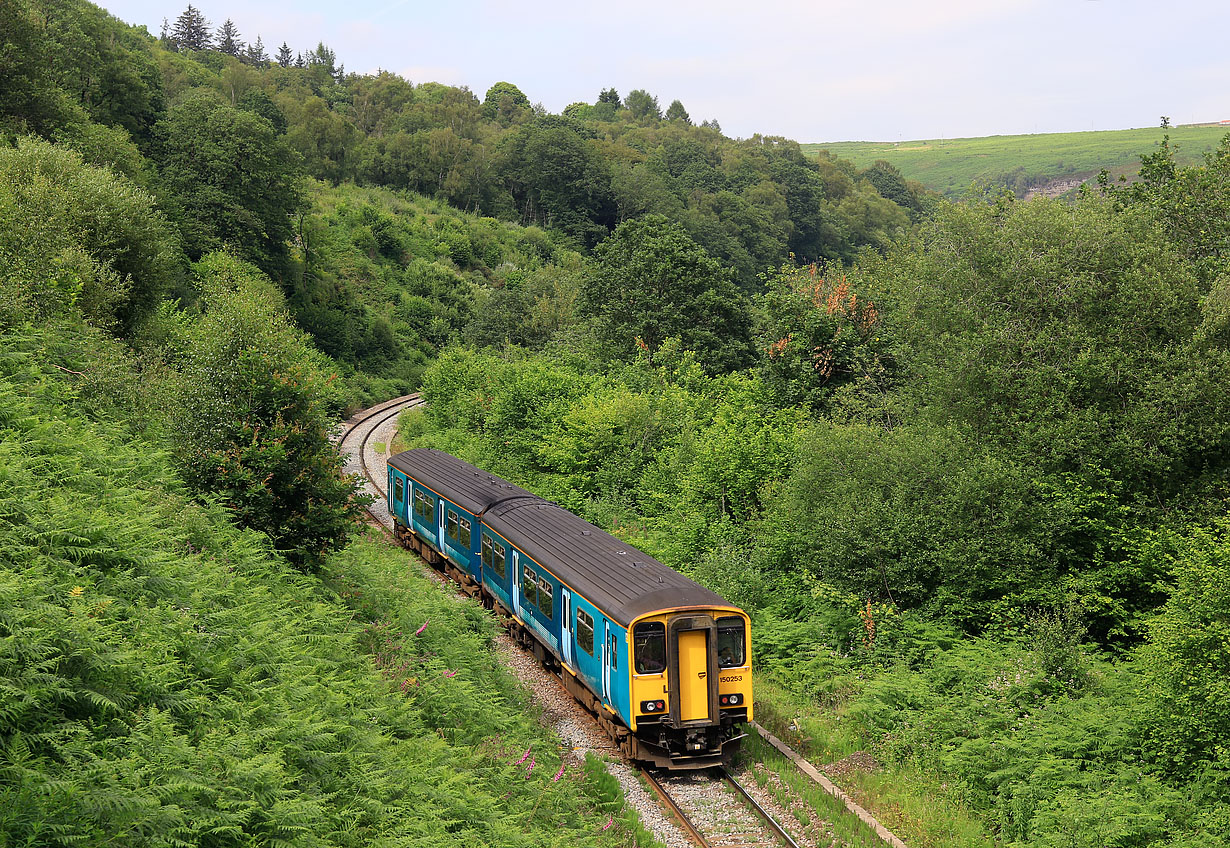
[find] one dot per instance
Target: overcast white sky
(826, 70)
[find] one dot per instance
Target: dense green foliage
(253, 415)
(74, 237)
(1018, 162)
(973, 492)
(165, 680)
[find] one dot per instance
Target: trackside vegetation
(167, 679)
(972, 490)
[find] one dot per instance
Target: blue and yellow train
(663, 662)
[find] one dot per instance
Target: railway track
(354, 438)
(716, 811)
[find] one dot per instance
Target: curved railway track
(710, 807)
(354, 441)
(716, 811)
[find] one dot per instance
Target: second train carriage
(663, 660)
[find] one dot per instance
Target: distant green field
(950, 166)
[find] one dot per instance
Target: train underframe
(657, 740)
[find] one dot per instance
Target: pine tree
(191, 31)
(285, 57)
(256, 55)
(228, 38)
(299, 63)
(165, 35)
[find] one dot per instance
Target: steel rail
(407, 402)
(656, 785)
(778, 830)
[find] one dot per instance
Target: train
(664, 663)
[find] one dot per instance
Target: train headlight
(653, 706)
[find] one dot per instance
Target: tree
(228, 38)
(505, 103)
(254, 414)
(557, 178)
(230, 180)
(816, 335)
(285, 57)
(652, 282)
(1165, 122)
(643, 105)
(610, 96)
(676, 112)
(78, 239)
(191, 31)
(256, 55)
(257, 102)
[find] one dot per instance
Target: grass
(951, 166)
(912, 805)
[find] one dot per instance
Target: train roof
(472, 489)
(622, 581)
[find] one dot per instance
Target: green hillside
(1020, 162)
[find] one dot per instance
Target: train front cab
(691, 684)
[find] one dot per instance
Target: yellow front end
(676, 657)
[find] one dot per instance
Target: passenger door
(514, 591)
(565, 604)
(606, 662)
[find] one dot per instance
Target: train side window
(418, 502)
(649, 647)
(585, 631)
(399, 491)
(614, 655)
(452, 525)
(486, 552)
(545, 597)
(466, 541)
(731, 642)
(429, 508)
(529, 586)
(498, 559)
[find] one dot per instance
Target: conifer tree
(299, 63)
(228, 38)
(191, 31)
(256, 55)
(285, 57)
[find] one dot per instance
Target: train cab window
(529, 587)
(466, 541)
(452, 525)
(585, 632)
(731, 642)
(497, 559)
(545, 596)
(399, 491)
(649, 647)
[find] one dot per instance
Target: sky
(819, 71)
